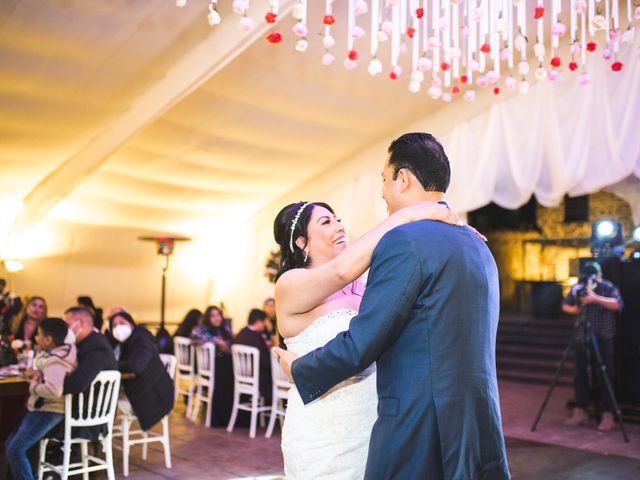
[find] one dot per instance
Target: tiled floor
(552, 452)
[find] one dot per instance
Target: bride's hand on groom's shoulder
(285, 359)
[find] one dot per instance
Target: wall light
(13, 265)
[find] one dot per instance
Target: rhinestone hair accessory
(294, 223)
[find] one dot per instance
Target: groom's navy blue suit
(428, 318)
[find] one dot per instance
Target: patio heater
(165, 245)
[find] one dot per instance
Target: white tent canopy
(123, 118)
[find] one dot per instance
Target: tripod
(590, 342)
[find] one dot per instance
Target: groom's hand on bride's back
(285, 358)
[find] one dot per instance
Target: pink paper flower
(424, 64)
(300, 29)
(360, 7)
(559, 29)
(357, 32)
(350, 64)
(246, 24)
(328, 59)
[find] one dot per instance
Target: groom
(428, 319)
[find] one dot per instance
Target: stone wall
(520, 260)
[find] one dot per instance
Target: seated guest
(251, 335)
(10, 305)
(212, 329)
(271, 324)
(25, 325)
(149, 394)
(188, 323)
(94, 355)
(86, 301)
(45, 407)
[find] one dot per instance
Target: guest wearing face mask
(149, 390)
(94, 355)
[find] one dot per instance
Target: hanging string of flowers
(457, 46)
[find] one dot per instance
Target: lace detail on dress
(329, 437)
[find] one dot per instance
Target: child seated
(46, 404)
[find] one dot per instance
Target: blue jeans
(33, 427)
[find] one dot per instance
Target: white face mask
(70, 338)
(121, 332)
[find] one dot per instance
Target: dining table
(14, 390)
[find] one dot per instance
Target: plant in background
(272, 266)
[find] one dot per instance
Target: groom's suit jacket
(428, 318)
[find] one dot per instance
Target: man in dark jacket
(146, 383)
(94, 355)
(251, 335)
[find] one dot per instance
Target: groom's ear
(405, 177)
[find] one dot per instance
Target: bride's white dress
(329, 437)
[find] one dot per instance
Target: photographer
(596, 301)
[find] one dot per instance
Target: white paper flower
(523, 68)
(301, 45)
(375, 67)
(435, 92)
(239, 6)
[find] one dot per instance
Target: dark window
(492, 217)
(576, 209)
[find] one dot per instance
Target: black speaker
(546, 299)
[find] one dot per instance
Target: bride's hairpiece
(295, 222)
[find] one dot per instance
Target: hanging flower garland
(457, 46)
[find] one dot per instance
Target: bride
(318, 291)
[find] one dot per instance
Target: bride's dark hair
(282, 233)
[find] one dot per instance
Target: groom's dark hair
(422, 155)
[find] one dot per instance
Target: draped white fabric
(559, 138)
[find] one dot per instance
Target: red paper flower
(573, 66)
(616, 66)
(393, 75)
(328, 20)
(464, 79)
(353, 55)
(539, 13)
(270, 17)
(445, 66)
(274, 37)
(420, 13)
(591, 46)
(496, 91)
(555, 62)
(485, 48)
(455, 90)
(411, 32)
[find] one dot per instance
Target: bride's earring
(306, 256)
